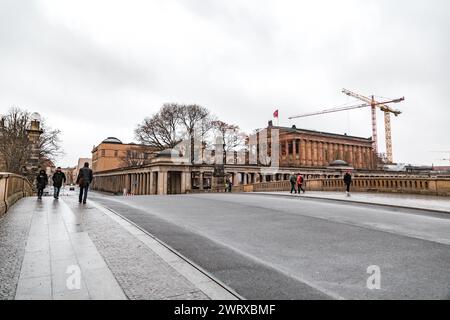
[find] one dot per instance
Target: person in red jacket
(300, 181)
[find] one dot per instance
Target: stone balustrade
(416, 185)
(12, 188)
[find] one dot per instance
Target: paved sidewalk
(46, 244)
(433, 203)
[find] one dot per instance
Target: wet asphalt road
(269, 247)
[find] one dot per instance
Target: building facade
(313, 149)
(112, 154)
(311, 153)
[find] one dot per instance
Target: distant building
(70, 173)
(300, 148)
(312, 153)
(81, 162)
(112, 154)
(48, 166)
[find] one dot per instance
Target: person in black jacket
(293, 181)
(84, 179)
(41, 183)
(347, 182)
(58, 179)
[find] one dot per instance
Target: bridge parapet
(415, 185)
(12, 188)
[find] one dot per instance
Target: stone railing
(12, 188)
(416, 185)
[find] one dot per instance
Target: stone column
(151, 189)
(201, 180)
(321, 162)
(308, 153)
(351, 156)
(344, 152)
(294, 151)
(162, 182)
(183, 182)
(146, 187)
(286, 146)
(302, 152)
(364, 158)
(359, 156)
(314, 152)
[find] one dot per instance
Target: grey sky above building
(96, 68)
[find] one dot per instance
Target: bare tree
(137, 156)
(49, 144)
(229, 134)
(15, 145)
(162, 130)
(173, 124)
(196, 121)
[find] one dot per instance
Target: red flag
(275, 114)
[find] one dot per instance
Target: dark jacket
(347, 178)
(293, 179)
(85, 177)
(58, 179)
(41, 180)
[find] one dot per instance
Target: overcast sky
(96, 68)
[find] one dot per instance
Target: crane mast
(387, 121)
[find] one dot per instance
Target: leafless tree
(15, 145)
(196, 122)
(229, 134)
(49, 144)
(162, 130)
(137, 156)
(173, 124)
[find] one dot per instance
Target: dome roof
(112, 140)
(339, 163)
(168, 153)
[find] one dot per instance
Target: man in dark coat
(347, 182)
(84, 179)
(58, 179)
(293, 181)
(41, 183)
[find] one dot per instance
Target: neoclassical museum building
(312, 153)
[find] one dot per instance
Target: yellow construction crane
(387, 121)
(369, 102)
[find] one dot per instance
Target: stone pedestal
(218, 178)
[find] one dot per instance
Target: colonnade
(315, 153)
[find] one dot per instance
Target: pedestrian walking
(230, 185)
(84, 179)
(59, 178)
(347, 182)
(300, 181)
(293, 181)
(41, 183)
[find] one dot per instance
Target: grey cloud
(244, 59)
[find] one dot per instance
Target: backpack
(293, 179)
